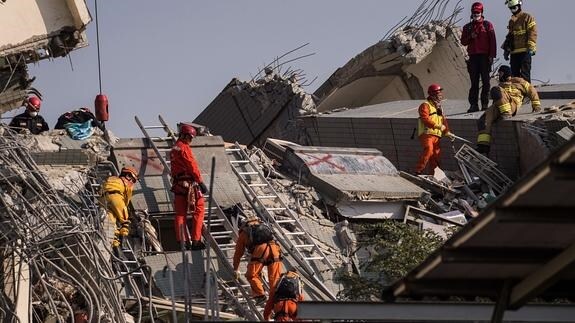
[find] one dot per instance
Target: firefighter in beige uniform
(507, 99)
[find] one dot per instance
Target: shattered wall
(400, 68)
(249, 112)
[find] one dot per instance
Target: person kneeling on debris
(189, 190)
(257, 237)
(432, 125)
(116, 195)
(507, 99)
(79, 123)
(30, 119)
(284, 298)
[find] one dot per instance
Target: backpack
(259, 233)
(288, 287)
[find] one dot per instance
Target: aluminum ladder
(288, 230)
(483, 167)
(220, 234)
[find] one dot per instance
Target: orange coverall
(431, 119)
(265, 254)
(284, 309)
(188, 198)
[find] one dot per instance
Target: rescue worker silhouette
(116, 196)
(479, 37)
(189, 189)
(30, 119)
(507, 99)
(284, 298)
(432, 125)
(257, 238)
(521, 41)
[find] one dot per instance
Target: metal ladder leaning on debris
(297, 242)
(483, 167)
(221, 235)
(125, 262)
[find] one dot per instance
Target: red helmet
(477, 7)
(34, 103)
(129, 170)
(433, 89)
(186, 129)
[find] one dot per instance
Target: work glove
(443, 127)
(535, 109)
(506, 55)
(124, 230)
(203, 187)
(531, 52)
(450, 136)
(237, 274)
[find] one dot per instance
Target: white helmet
(512, 3)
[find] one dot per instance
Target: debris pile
(249, 112)
(52, 242)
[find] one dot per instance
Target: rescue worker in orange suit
(30, 119)
(285, 310)
(479, 37)
(507, 99)
(264, 254)
(189, 190)
(116, 195)
(432, 125)
(521, 40)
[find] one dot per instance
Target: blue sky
(173, 57)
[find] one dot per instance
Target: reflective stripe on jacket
(513, 93)
(430, 121)
(523, 30)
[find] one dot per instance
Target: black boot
(473, 108)
(483, 149)
(198, 245)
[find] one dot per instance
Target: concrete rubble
(339, 158)
(250, 111)
(399, 68)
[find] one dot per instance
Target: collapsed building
(311, 165)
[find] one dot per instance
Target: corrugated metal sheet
(349, 174)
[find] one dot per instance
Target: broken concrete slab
(348, 174)
(399, 68)
(250, 112)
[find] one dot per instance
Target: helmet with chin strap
(512, 3)
(186, 129)
(433, 89)
(477, 7)
(128, 170)
(33, 103)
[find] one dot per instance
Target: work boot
(197, 245)
(473, 108)
(483, 149)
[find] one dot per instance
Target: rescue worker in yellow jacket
(521, 40)
(507, 99)
(116, 195)
(432, 125)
